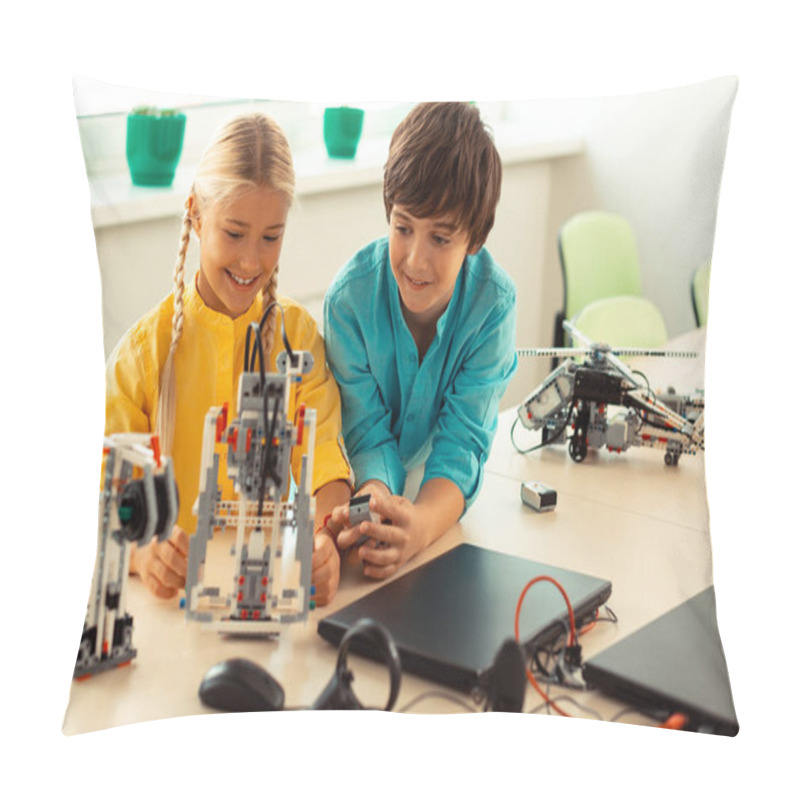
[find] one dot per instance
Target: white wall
(657, 159)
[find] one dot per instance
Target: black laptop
(674, 664)
(450, 616)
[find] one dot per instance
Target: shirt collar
(195, 304)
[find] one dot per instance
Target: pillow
(655, 159)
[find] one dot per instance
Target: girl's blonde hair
(250, 151)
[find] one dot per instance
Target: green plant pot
(341, 129)
(153, 147)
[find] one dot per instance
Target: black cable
(542, 443)
(624, 712)
(246, 364)
(266, 453)
(516, 447)
(274, 475)
(249, 364)
(612, 617)
(550, 677)
(441, 695)
(283, 326)
(551, 651)
(649, 390)
(257, 349)
(566, 698)
(540, 668)
(338, 693)
(556, 648)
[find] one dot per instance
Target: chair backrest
(623, 321)
(700, 284)
(598, 259)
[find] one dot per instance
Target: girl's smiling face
(240, 244)
(426, 255)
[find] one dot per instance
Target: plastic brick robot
(138, 500)
(578, 396)
(272, 519)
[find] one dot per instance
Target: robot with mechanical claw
(273, 525)
(138, 501)
(578, 396)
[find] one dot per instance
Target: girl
(187, 354)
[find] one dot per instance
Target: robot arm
(138, 501)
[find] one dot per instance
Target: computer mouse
(239, 684)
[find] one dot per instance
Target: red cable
(324, 524)
(586, 628)
(572, 635)
(675, 722)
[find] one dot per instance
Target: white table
(626, 517)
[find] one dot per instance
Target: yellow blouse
(208, 362)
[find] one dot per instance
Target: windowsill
(116, 201)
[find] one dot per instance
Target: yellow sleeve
(317, 390)
(131, 386)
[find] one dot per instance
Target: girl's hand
(162, 566)
(325, 565)
(347, 536)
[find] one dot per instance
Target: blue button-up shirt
(396, 411)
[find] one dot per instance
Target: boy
(420, 336)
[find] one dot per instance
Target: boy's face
(426, 255)
(240, 243)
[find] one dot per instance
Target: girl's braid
(270, 295)
(165, 419)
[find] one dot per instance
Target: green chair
(700, 284)
(599, 259)
(623, 321)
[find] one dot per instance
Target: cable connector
(572, 655)
(298, 361)
(569, 670)
(570, 677)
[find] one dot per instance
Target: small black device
(538, 496)
(239, 684)
(598, 386)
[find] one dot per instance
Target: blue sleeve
(468, 420)
(366, 419)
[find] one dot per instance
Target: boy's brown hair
(443, 161)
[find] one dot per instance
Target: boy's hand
(392, 543)
(344, 535)
(325, 565)
(162, 566)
